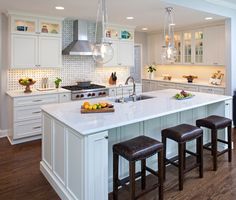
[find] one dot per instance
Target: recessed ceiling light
(208, 18)
(59, 8)
(144, 29)
(172, 24)
(129, 18)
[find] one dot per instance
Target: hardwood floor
(21, 179)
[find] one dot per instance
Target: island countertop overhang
(128, 113)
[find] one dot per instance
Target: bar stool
(139, 148)
(182, 134)
(215, 123)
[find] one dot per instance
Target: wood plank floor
(21, 179)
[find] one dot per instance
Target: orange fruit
(86, 103)
(86, 106)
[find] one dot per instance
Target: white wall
(204, 6)
(3, 74)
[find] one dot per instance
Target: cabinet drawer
(27, 128)
(64, 97)
(212, 90)
(166, 85)
(36, 100)
(187, 87)
(22, 113)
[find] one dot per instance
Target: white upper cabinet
(49, 51)
(122, 40)
(155, 43)
(215, 45)
(24, 51)
(35, 42)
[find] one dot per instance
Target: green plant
(151, 68)
(57, 82)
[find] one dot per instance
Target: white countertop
(20, 93)
(127, 113)
(184, 81)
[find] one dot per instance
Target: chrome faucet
(134, 87)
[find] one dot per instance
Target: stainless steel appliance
(89, 92)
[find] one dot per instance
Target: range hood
(80, 44)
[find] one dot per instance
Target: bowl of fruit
(27, 82)
(183, 95)
(99, 107)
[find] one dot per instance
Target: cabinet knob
(106, 137)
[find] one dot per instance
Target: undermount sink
(131, 98)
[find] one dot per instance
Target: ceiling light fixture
(144, 29)
(208, 18)
(59, 8)
(129, 18)
(102, 51)
(168, 49)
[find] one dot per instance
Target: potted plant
(57, 82)
(151, 69)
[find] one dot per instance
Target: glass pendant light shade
(169, 52)
(103, 52)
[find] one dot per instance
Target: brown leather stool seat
(139, 148)
(216, 123)
(182, 134)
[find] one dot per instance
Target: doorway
(136, 70)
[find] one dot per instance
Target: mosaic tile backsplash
(74, 68)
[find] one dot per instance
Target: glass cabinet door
(198, 47)
(24, 25)
(187, 44)
(50, 27)
(178, 46)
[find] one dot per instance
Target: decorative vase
(151, 75)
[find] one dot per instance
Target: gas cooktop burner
(91, 91)
(77, 87)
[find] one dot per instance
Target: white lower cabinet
(152, 85)
(25, 115)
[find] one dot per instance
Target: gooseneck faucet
(134, 87)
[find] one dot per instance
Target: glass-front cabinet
(198, 44)
(187, 45)
(24, 25)
(30, 25)
(178, 46)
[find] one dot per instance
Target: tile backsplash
(74, 68)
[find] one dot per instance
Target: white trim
(56, 184)
(27, 139)
(3, 133)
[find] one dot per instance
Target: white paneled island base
(77, 148)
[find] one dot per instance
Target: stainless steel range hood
(80, 44)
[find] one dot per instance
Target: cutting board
(102, 110)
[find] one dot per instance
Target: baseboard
(3, 133)
(57, 185)
(27, 139)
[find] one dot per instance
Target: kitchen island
(77, 148)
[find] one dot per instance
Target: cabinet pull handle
(227, 104)
(37, 100)
(36, 127)
(36, 112)
(106, 137)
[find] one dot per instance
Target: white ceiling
(147, 13)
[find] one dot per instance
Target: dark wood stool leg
(132, 179)
(181, 165)
(161, 166)
(164, 156)
(200, 155)
(214, 148)
(229, 130)
(115, 175)
(184, 158)
(143, 173)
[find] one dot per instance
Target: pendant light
(102, 51)
(168, 50)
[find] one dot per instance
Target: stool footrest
(191, 167)
(191, 153)
(122, 182)
(222, 141)
(222, 152)
(152, 171)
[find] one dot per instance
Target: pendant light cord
(98, 13)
